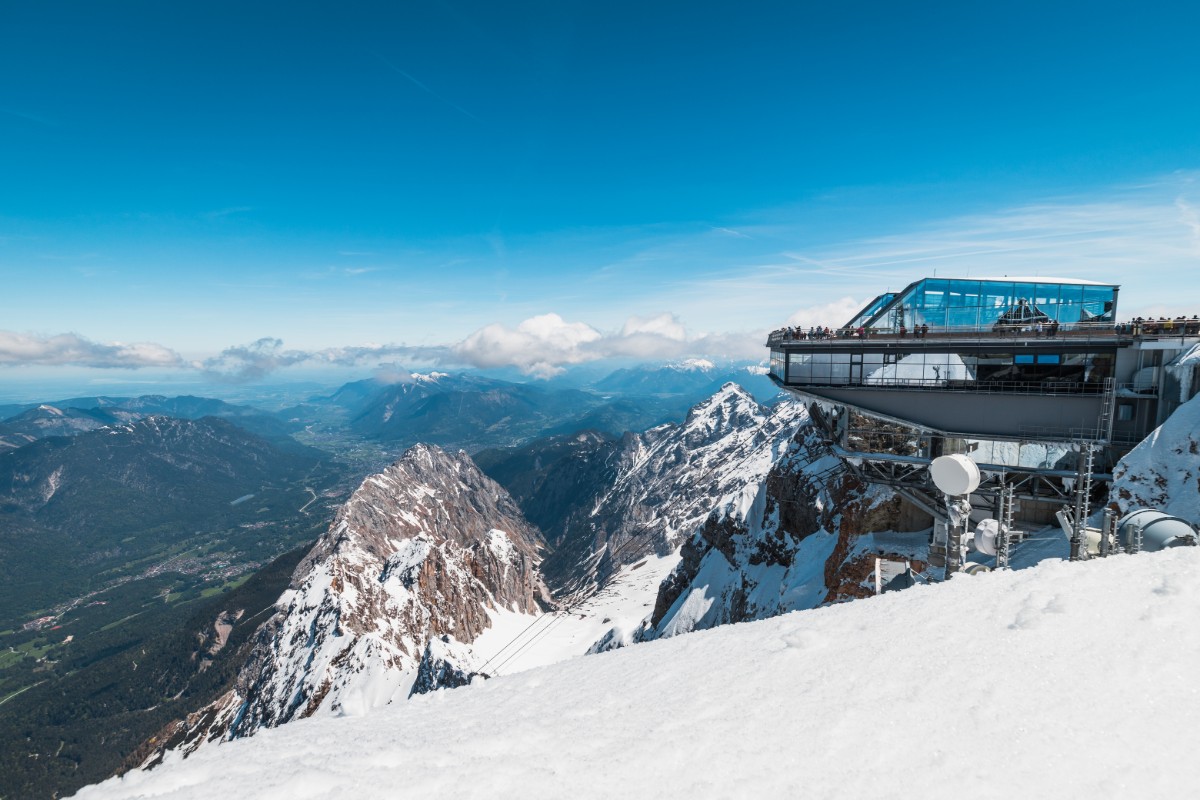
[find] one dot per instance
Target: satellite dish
(1159, 530)
(955, 475)
(986, 533)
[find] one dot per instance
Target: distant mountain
(466, 412)
(693, 379)
(555, 478)
(48, 420)
(77, 414)
(11, 438)
(475, 412)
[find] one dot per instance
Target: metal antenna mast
(1083, 493)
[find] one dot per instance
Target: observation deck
(1038, 361)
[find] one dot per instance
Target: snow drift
(1064, 680)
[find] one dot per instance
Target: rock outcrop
(786, 546)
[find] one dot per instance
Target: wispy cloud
(540, 346)
(221, 213)
(1144, 237)
(26, 115)
(425, 88)
(732, 232)
(71, 349)
(254, 361)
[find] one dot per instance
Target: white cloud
(665, 325)
(544, 345)
(70, 349)
(260, 358)
(825, 315)
(539, 346)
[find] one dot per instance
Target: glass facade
(947, 303)
(990, 370)
(871, 310)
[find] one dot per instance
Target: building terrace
(1045, 357)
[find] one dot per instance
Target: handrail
(958, 385)
(1077, 331)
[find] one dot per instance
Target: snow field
(1060, 681)
(518, 642)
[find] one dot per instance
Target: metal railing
(1075, 332)
(948, 385)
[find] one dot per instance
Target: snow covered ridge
(427, 548)
(1064, 681)
(786, 545)
(1163, 472)
(671, 478)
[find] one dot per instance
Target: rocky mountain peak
(421, 551)
(730, 407)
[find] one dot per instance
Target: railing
(1075, 332)
(946, 385)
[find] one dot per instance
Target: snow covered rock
(1163, 472)
(670, 478)
(422, 551)
(447, 664)
(781, 547)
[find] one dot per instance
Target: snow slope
(1064, 680)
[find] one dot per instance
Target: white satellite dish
(955, 475)
(986, 534)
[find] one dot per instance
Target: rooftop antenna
(956, 476)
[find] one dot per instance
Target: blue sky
(674, 178)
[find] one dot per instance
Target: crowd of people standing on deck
(1178, 326)
(796, 334)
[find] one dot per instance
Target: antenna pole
(1083, 492)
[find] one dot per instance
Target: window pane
(1045, 295)
(964, 293)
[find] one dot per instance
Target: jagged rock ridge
(420, 551)
(666, 481)
(787, 549)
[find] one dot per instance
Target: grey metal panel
(980, 415)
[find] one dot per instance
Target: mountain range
(432, 571)
(445, 569)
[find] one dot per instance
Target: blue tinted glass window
(963, 293)
(1022, 358)
(962, 317)
(1025, 291)
(935, 293)
(1046, 294)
